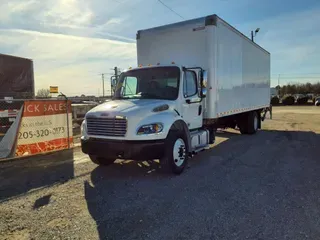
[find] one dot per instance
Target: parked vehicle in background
(314, 99)
(193, 77)
(317, 101)
(275, 100)
(16, 77)
(310, 96)
(302, 99)
(288, 100)
(17, 82)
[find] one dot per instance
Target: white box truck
(192, 78)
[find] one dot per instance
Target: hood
(126, 107)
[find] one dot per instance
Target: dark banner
(16, 77)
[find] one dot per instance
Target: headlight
(82, 125)
(150, 128)
(83, 128)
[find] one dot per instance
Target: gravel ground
(264, 186)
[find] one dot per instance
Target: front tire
(176, 153)
(101, 160)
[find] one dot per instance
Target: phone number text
(41, 133)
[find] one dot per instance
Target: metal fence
(33, 126)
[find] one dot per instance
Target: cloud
(14, 7)
(291, 39)
(70, 17)
(68, 11)
(70, 41)
(73, 63)
(48, 11)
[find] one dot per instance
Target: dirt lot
(265, 186)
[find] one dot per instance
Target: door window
(189, 84)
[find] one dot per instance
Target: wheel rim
(255, 123)
(179, 152)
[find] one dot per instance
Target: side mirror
(204, 81)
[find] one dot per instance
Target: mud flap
(265, 111)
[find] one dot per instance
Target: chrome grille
(111, 127)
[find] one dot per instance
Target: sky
(73, 41)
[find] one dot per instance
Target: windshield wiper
(150, 95)
(140, 96)
(119, 98)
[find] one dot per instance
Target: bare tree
(43, 93)
(302, 88)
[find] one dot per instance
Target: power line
(298, 77)
(295, 74)
(170, 9)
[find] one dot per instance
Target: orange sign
(42, 108)
(44, 127)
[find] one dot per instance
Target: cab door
(192, 104)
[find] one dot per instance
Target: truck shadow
(231, 145)
(19, 176)
(128, 201)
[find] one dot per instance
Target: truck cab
(156, 113)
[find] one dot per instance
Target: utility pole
(114, 79)
(102, 75)
(279, 80)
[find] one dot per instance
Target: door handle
(199, 110)
(189, 101)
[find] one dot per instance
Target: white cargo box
(238, 69)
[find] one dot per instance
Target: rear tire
(253, 122)
(243, 124)
(249, 123)
(101, 160)
(176, 153)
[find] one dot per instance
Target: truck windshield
(149, 83)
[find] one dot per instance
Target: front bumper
(133, 150)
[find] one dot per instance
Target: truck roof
(6, 55)
(207, 20)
